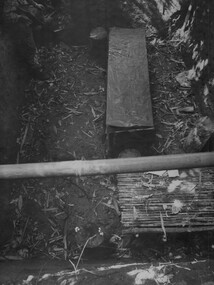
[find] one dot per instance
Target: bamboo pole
(106, 166)
(133, 230)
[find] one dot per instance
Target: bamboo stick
(168, 230)
(109, 166)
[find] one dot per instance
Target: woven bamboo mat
(151, 202)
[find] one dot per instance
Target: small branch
(83, 250)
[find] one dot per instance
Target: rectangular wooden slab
(128, 91)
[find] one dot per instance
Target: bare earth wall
(12, 85)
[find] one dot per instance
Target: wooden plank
(128, 91)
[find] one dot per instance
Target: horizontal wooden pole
(106, 166)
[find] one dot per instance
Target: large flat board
(128, 90)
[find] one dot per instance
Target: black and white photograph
(107, 142)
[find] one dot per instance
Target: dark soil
(13, 79)
(63, 119)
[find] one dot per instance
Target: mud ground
(55, 272)
(64, 119)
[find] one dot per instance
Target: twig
(75, 269)
(83, 250)
(65, 240)
(78, 261)
(23, 233)
(23, 141)
(25, 135)
(177, 61)
(86, 134)
(174, 264)
(66, 117)
(163, 228)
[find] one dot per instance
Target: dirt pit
(78, 219)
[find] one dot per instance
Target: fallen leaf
(177, 206)
(20, 203)
(186, 110)
(183, 79)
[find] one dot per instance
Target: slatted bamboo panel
(159, 203)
